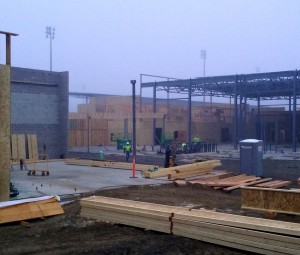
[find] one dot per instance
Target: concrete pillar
(4, 132)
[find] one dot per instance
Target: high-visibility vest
(127, 147)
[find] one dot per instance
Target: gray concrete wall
(39, 105)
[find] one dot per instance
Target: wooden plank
(259, 224)
(247, 184)
(229, 179)
(21, 146)
(238, 180)
(108, 164)
(186, 174)
(32, 146)
(14, 148)
(276, 200)
(30, 210)
(248, 233)
(274, 184)
(226, 240)
(163, 172)
(251, 235)
(162, 226)
(212, 178)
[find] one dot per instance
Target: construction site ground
(71, 234)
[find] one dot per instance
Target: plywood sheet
(32, 146)
(30, 210)
(284, 201)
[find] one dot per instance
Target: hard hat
(127, 143)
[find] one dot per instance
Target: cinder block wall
(39, 105)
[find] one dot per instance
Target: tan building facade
(103, 120)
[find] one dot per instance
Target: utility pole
(133, 129)
(203, 56)
(50, 33)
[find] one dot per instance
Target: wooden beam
(274, 184)
(247, 184)
(201, 167)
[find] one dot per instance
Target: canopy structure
(283, 85)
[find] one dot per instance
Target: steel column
(190, 113)
(294, 113)
(154, 111)
(235, 121)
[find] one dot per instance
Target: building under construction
(105, 119)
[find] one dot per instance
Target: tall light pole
(50, 33)
(133, 128)
(203, 56)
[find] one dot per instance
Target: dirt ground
(71, 234)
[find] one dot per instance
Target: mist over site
(105, 44)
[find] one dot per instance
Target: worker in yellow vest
(127, 150)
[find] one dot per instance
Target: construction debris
(31, 208)
(247, 233)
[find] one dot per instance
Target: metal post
(154, 111)
(50, 32)
(235, 115)
(190, 113)
(133, 129)
(88, 125)
(294, 114)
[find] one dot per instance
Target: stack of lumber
(274, 200)
(229, 183)
(132, 213)
(246, 233)
(31, 208)
(184, 171)
(108, 164)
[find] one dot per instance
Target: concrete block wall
(40, 105)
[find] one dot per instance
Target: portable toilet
(251, 157)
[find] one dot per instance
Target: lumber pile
(228, 182)
(262, 236)
(108, 164)
(184, 171)
(274, 200)
(32, 208)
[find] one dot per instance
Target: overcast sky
(104, 44)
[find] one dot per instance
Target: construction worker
(184, 147)
(167, 157)
(127, 150)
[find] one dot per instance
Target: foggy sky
(106, 43)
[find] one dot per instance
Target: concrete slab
(70, 179)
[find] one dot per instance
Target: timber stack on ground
(227, 181)
(108, 164)
(258, 235)
(183, 171)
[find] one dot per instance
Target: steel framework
(283, 85)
